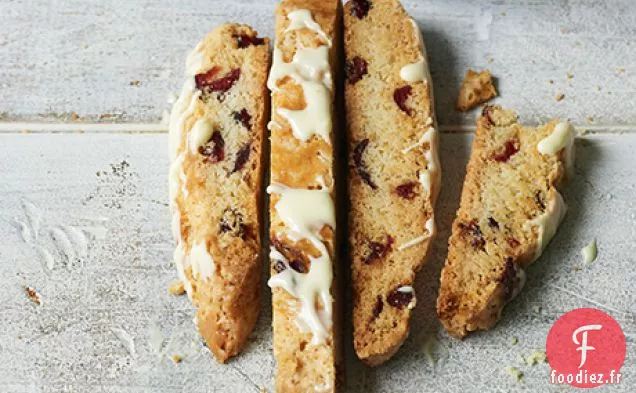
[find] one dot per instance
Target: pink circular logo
(586, 348)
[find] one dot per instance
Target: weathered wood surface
(86, 57)
(112, 188)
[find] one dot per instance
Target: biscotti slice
(302, 194)
(217, 128)
(394, 175)
(510, 209)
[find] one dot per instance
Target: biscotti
(217, 128)
(302, 79)
(394, 175)
(510, 209)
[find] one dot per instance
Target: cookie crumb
(569, 75)
(590, 119)
(536, 357)
(176, 288)
(550, 81)
(263, 389)
(135, 82)
(514, 340)
(75, 116)
(176, 358)
(515, 373)
(576, 267)
(33, 295)
(559, 97)
(476, 89)
(589, 252)
(621, 69)
(536, 309)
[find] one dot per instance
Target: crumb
(514, 340)
(521, 359)
(576, 267)
(569, 75)
(536, 357)
(621, 69)
(106, 116)
(536, 309)
(75, 116)
(515, 373)
(563, 30)
(550, 81)
(490, 59)
(559, 97)
(476, 89)
(24, 131)
(176, 288)
(589, 252)
(503, 13)
(135, 82)
(263, 389)
(427, 347)
(33, 295)
(590, 119)
(176, 358)
(598, 88)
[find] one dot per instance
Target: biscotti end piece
(509, 211)
(394, 171)
(304, 265)
(476, 89)
(217, 128)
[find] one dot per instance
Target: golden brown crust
(508, 184)
(301, 365)
(216, 185)
(476, 89)
(390, 206)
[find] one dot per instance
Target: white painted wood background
(64, 57)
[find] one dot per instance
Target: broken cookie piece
(476, 89)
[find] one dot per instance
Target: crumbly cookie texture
(304, 265)
(394, 173)
(476, 89)
(510, 209)
(217, 128)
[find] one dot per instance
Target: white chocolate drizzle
(315, 118)
(430, 231)
(300, 19)
(562, 137)
(548, 222)
(199, 134)
(307, 64)
(519, 282)
(409, 289)
(304, 213)
(414, 72)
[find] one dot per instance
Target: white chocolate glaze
(199, 134)
(307, 64)
(430, 231)
(315, 118)
(197, 62)
(562, 137)
(589, 252)
(300, 19)
(519, 282)
(427, 136)
(182, 109)
(304, 213)
(414, 72)
(548, 222)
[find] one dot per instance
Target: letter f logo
(584, 347)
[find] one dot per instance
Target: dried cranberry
(508, 277)
(477, 237)
(360, 8)
(358, 151)
(511, 147)
(205, 79)
(297, 265)
(399, 299)
(279, 266)
(242, 156)
(400, 96)
(232, 222)
(378, 250)
(538, 198)
(244, 40)
(378, 307)
(243, 117)
(407, 190)
(493, 223)
(356, 69)
(221, 85)
(216, 152)
(487, 113)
